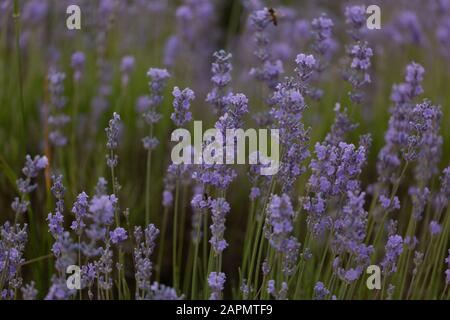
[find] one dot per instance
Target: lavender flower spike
(181, 104)
(216, 281)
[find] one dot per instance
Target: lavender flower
(56, 220)
(279, 221)
(216, 282)
(221, 69)
(320, 291)
(162, 292)
(360, 54)
(420, 198)
(269, 69)
(294, 137)
(394, 248)
(181, 104)
(435, 228)
(322, 28)
(145, 241)
(80, 210)
(355, 18)
(57, 119)
(112, 134)
(77, 64)
(126, 67)
(31, 170)
(29, 291)
(102, 209)
(219, 209)
(281, 294)
(389, 204)
(398, 134)
(118, 235)
(443, 197)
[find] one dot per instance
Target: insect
(205, 196)
(273, 16)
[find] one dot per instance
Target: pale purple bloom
(142, 252)
(269, 70)
(77, 64)
(181, 104)
(355, 17)
(320, 291)
(216, 282)
(80, 209)
(161, 292)
(389, 204)
(167, 198)
(394, 248)
(435, 228)
(118, 235)
(112, 132)
(58, 102)
(442, 199)
(29, 291)
(279, 222)
(221, 69)
(126, 67)
(219, 209)
(102, 209)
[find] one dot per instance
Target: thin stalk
(147, 181)
(174, 236)
(16, 17)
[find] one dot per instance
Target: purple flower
(389, 205)
(399, 133)
(219, 209)
(305, 66)
(320, 291)
(80, 209)
(157, 84)
(435, 228)
(118, 235)
(181, 104)
(350, 225)
(442, 198)
(126, 67)
(216, 282)
(288, 113)
(112, 132)
(162, 292)
(394, 248)
(322, 28)
(167, 198)
(357, 75)
(279, 221)
(102, 209)
(221, 69)
(142, 252)
(31, 170)
(58, 102)
(29, 291)
(355, 17)
(269, 69)
(77, 64)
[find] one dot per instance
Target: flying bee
(273, 16)
(205, 196)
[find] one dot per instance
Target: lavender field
(94, 207)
